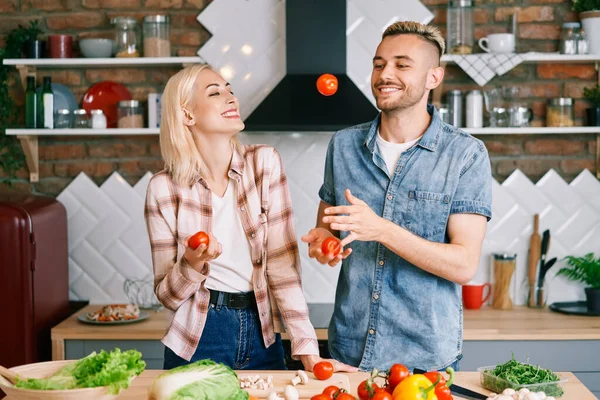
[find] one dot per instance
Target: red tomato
(363, 392)
(382, 395)
(323, 370)
(345, 396)
(331, 245)
(330, 391)
(320, 397)
(397, 374)
(433, 376)
(198, 239)
(327, 84)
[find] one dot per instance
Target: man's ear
(434, 77)
(188, 118)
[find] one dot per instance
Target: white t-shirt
(391, 151)
(232, 270)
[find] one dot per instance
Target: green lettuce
(115, 370)
(202, 380)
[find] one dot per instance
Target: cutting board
(283, 378)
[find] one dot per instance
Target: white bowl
(96, 48)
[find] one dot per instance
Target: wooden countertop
(574, 389)
(521, 323)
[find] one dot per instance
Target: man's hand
(315, 238)
(309, 362)
(362, 223)
(196, 258)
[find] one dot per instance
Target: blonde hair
(428, 33)
(183, 160)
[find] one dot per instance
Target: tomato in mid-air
(323, 370)
(327, 84)
(198, 239)
(331, 245)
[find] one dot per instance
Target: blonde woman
(227, 297)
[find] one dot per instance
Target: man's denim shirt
(386, 309)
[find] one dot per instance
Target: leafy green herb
(114, 369)
(586, 5)
(584, 269)
(516, 375)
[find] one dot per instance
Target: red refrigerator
(34, 282)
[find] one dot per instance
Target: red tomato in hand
(198, 239)
(331, 390)
(327, 84)
(331, 245)
(323, 370)
(397, 374)
(363, 392)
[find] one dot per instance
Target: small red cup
(473, 295)
(60, 46)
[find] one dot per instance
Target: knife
(459, 390)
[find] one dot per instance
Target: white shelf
(155, 131)
(543, 130)
(546, 57)
(102, 62)
(78, 132)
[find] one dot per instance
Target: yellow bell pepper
(415, 387)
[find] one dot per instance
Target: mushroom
(300, 378)
(291, 393)
(274, 396)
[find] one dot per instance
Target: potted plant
(585, 269)
(589, 14)
(593, 96)
(33, 47)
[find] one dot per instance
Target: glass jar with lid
(460, 27)
(62, 118)
(98, 120)
(568, 38)
(130, 114)
(560, 112)
(126, 35)
(156, 36)
(81, 119)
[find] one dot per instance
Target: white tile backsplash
(108, 241)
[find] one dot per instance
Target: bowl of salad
(99, 376)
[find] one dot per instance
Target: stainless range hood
(316, 44)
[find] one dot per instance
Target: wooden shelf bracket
(31, 150)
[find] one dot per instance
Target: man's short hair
(428, 33)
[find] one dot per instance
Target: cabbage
(202, 380)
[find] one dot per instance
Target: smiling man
(411, 196)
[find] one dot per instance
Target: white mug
(498, 43)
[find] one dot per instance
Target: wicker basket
(44, 370)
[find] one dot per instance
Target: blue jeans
(233, 337)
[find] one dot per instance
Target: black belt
(233, 300)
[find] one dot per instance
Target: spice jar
(62, 118)
(130, 114)
(460, 27)
(560, 112)
(98, 119)
(81, 119)
(126, 35)
(156, 36)
(504, 267)
(568, 38)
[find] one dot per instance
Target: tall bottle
(31, 104)
(47, 104)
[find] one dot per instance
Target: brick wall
(62, 158)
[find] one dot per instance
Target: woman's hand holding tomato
(200, 248)
(320, 239)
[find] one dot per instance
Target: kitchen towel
(483, 67)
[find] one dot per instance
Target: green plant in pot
(33, 47)
(585, 269)
(592, 95)
(589, 14)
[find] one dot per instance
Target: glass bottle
(568, 39)
(583, 46)
(126, 35)
(98, 120)
(460, 27)
(31, 104)
(156, 36)
(47, 104)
